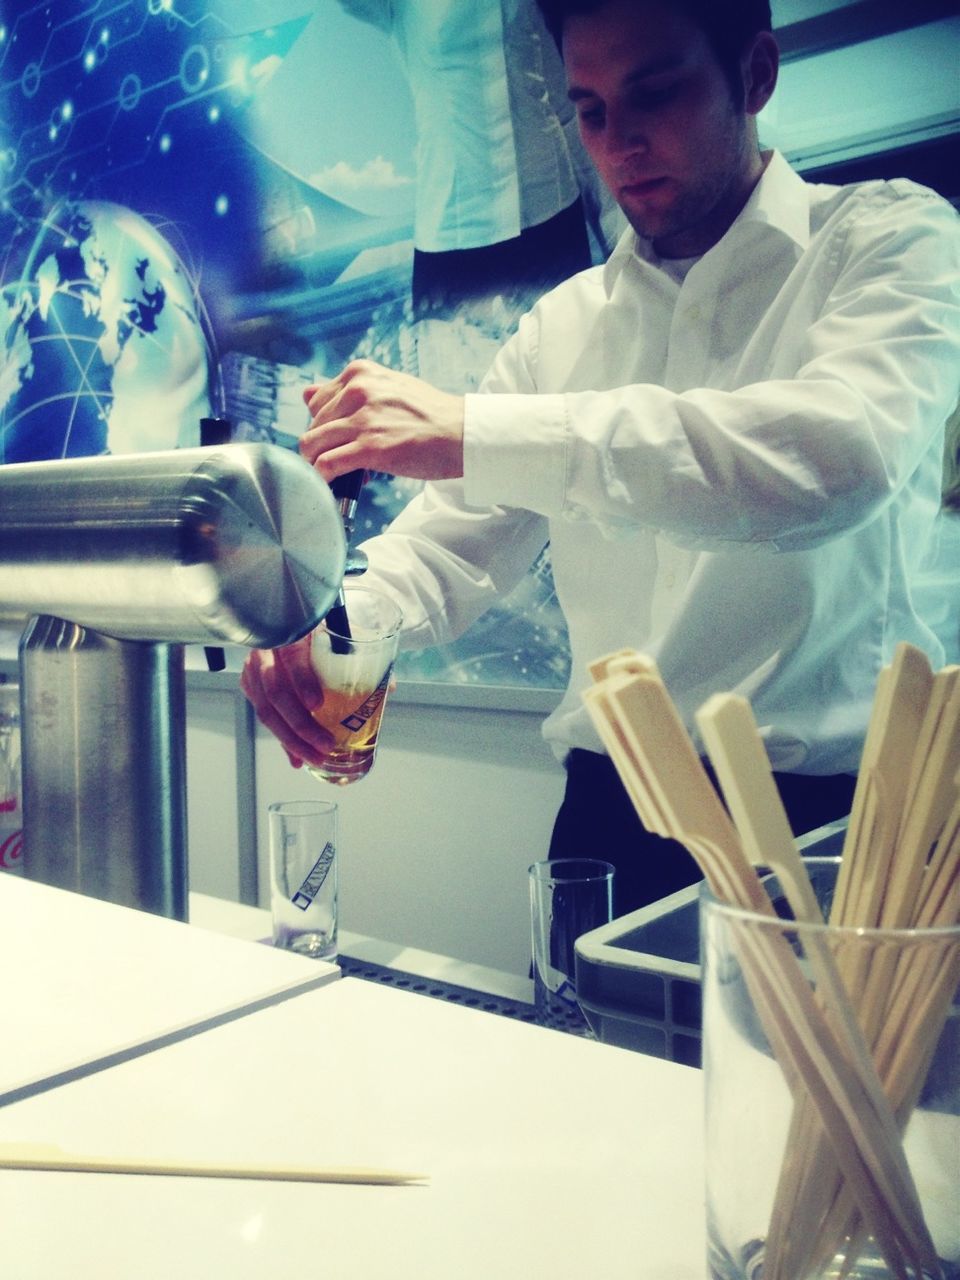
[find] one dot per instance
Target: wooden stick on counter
(49, 1158)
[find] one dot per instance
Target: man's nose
(624, 134)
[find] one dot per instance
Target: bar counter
(544, 1155)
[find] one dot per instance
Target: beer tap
(346, 491)
(119, 561)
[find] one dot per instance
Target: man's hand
(375, 419)
(282, 687)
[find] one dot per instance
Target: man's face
(657, 117)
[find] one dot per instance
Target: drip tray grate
(436, 989)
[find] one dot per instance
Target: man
(731, 433)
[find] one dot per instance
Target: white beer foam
(362, 669)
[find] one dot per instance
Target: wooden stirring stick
(737, 753)
(739, 758)
(930, 792)
(903, 691)
(939, 898)
(50, 1158)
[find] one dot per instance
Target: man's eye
(591, 117)
(650, 99)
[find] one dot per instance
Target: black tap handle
(348, 486)
(214, 431)
(346, 490)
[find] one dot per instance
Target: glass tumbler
(778, 1204)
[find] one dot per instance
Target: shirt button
(693, 313)
(670, 581)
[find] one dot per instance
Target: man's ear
(759, 66)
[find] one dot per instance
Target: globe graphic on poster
(104, 350)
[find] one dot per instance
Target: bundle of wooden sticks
(855, 1043)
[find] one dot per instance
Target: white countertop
(84, 980)
(548, 1156)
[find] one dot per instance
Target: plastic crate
(638, 978)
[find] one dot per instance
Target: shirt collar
(779, 201)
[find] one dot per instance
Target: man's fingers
(265, 680)
(295, 663)
(331, 463)
(319, 394)
(373, 418)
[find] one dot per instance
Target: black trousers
(598, 820)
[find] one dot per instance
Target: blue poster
(207, 204)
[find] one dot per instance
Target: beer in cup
(354, 663)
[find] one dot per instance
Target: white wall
(891, 91)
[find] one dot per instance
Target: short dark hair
(729, 25)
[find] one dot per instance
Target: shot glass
(303, 876)
(777, 1201)
(568, 897)
(353, 659)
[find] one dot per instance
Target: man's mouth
(642, 187)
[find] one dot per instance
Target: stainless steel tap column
(125, 559)
(103, 755)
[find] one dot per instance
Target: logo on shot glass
(315, 877)
(373, 705)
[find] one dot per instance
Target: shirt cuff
(515, 451)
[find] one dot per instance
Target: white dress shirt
(738, 472)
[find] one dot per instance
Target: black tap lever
(346, 489)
